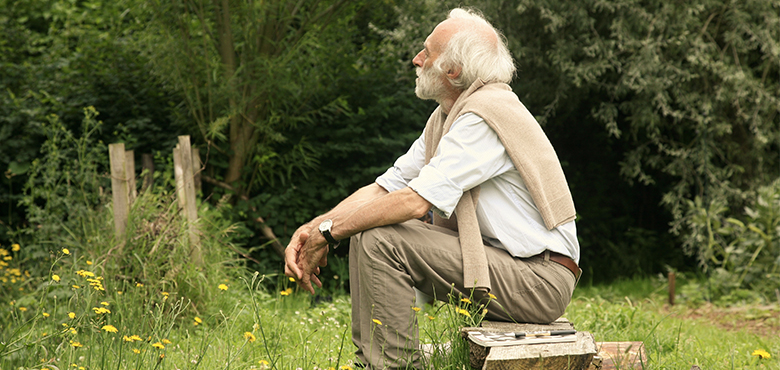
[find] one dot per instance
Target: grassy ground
(248, 327)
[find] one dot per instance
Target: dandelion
(56, 278)
(135, 338)
(109, 328)
(760, 353)
(72, 315)
(23, 309)
(292, 279)
(75, 344)
(65, 251)
(465, 300)
(73, 331)
(15, 247)
(136, 351)
(345, 367)
(104, 303)
(249, 337)
(198, 321)
(416, 309)
(127, 339)
(75, 286)
(286, 292)
(166, 341)
(158, 345)
(464, 312)
(89, 263)
(46, 314)
(491, 296)
(431, 318)
(377, 322)
(139, 285)
(100, 310)
(222, 287)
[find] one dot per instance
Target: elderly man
(504, 216)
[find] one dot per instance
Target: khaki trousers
(385, 263)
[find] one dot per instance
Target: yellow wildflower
(65, 251)
(89, 263)
(222, 287)
(72, 315)
(15, 247)
(491, 296)
(158, 345)
(56, 278)
(100, 310)
(135, 338)
(110, 328)
(377, 322)
(345, 367)
(75, 344)
(104, 303)
(431, 317)
(23, 309)
(465, 300)
(75, 286)
(73, 331)
(760, 353)
(286, 292)
(166, 341)
(263, 362)
(46, 314)
(198, 321)
(249, 337)
(464, 312)
(291, 279)
(136, 350)
(138, 285)
(3, 252)
(416, 309)
(127, 339)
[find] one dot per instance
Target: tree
(248, 70)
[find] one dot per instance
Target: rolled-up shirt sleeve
(405, 168)
(468, 155)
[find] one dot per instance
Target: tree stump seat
(575, 355)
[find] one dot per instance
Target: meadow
(82, 319)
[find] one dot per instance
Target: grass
(252, 328)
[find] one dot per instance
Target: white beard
(430, 85)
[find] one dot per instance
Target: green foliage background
(649, 104)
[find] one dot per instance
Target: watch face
(325, 225)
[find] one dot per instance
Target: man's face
(431, 82)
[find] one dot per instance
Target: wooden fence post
(130, 176)
(188, 190)
(147, 163)
(119, 188)
(196, 163)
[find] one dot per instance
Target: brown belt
(566, 262)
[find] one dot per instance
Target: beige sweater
(530, 152)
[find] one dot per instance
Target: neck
(449, 100)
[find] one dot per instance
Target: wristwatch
(325, 231)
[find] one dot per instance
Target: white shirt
(471, 154)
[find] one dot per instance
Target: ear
(453, 72)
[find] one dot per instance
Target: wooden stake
(671, 288)
(119, 188)
(147, 163)
(190, 204)
(130, 176)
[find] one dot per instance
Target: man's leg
(386, 262)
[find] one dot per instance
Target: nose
(419, 59)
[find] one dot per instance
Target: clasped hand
(303, 258)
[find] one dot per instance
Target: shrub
(738, 255)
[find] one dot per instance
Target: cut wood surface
(575, 355)
(620, 355)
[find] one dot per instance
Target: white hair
(476, 55)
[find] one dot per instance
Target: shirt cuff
(391, 180)
(437, 189)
